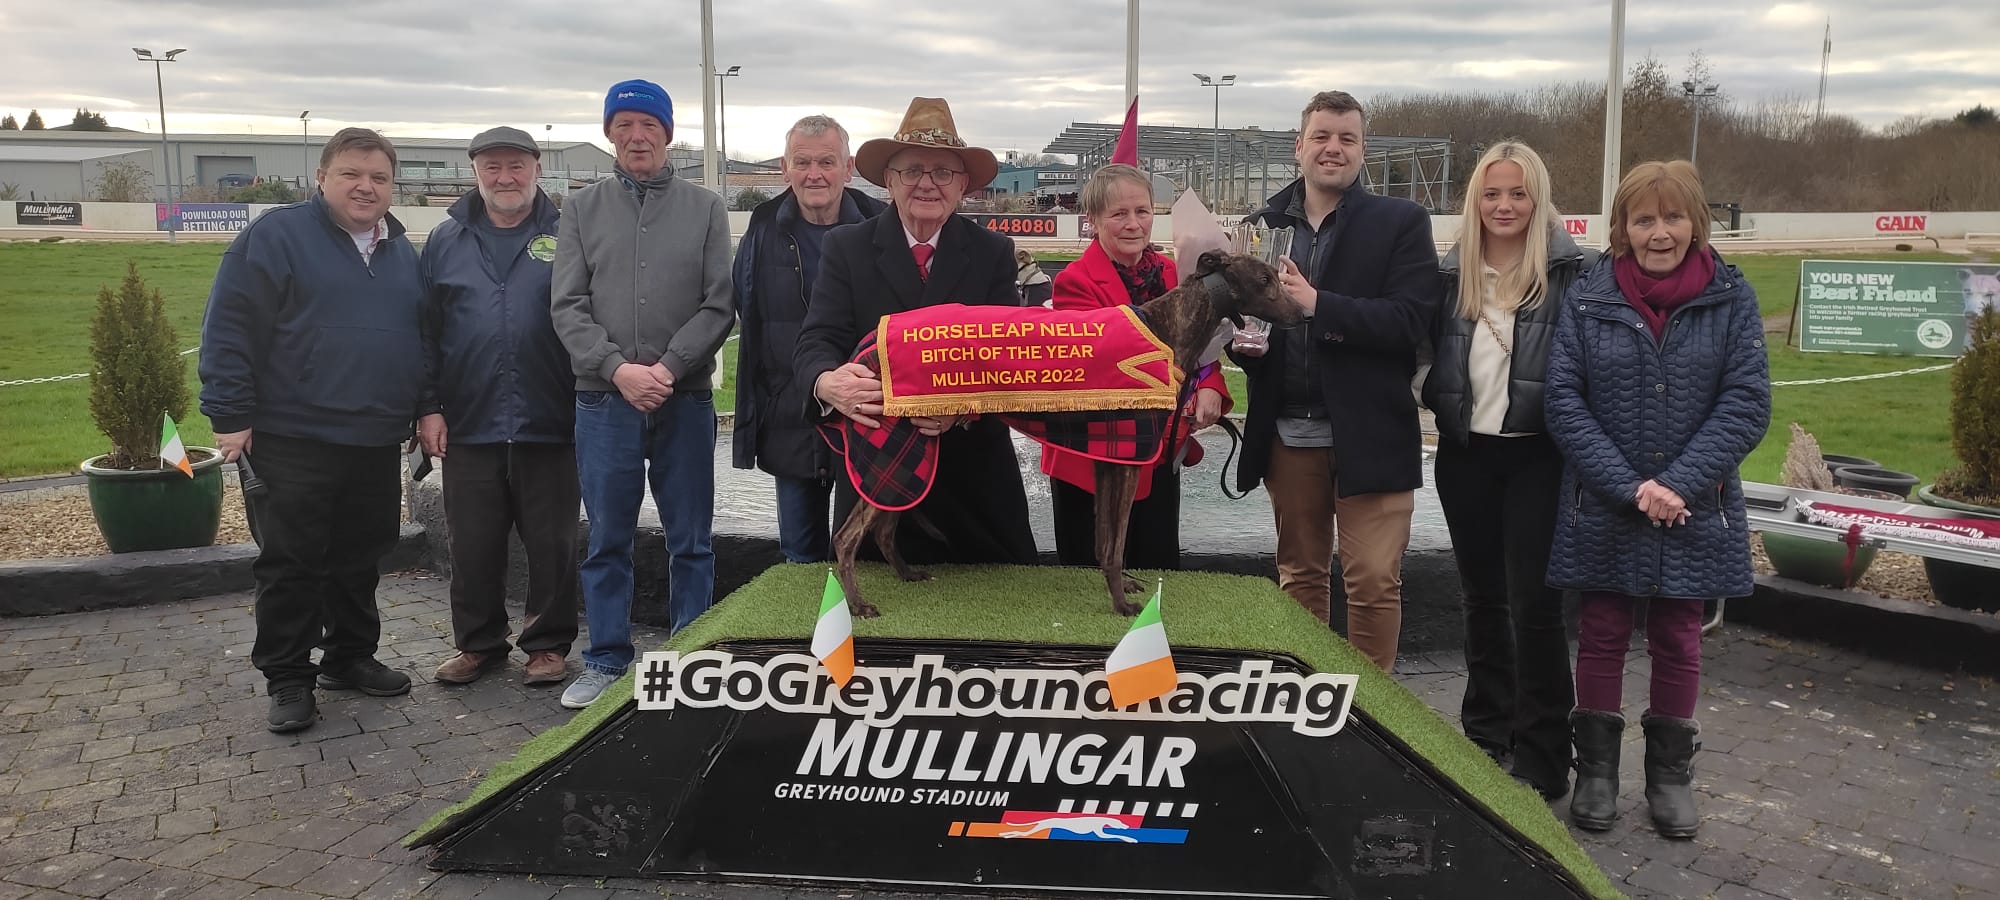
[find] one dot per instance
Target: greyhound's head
(1240, 285)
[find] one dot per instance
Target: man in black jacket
(1332, 428)
(776, 263)
(508, 418)
(312, 370)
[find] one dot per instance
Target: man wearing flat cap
(642, 302)
(919, 253)
(506, 428)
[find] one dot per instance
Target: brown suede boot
(467, 667)
(546, 667)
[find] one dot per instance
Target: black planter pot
(1876, 478)
(1957, 584)
(1836, 461)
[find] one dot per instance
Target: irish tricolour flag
(172, 451)
(1141, 667)
(833, 637)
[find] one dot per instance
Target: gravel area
(52, 522)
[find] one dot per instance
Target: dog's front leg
(846, 543)
(1116, 486)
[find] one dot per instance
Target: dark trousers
(489, 490)
(1499, 499)
(328, 516)
(804, 505)
(1152, 532)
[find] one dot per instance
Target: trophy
(1269, 245)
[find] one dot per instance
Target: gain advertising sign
(1866, 306)
(1002, 767)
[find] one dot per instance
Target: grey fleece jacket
(642, 281)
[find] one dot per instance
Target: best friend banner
(954, 359)
(1866, 306)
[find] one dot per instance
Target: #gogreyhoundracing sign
(48, 212)
(1920, 309)
(1033, 753)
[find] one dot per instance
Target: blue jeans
(618, 451)
(803, 507)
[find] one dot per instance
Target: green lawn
(46, 301)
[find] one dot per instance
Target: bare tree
(124, 181)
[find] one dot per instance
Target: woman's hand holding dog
(1205, 408)
(854, 392)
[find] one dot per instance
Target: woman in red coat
(1120, 267)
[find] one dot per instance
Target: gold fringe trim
(1003, 402)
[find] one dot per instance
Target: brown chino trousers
(1373, 531)
(530, 489)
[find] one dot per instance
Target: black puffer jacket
(1448, 392)
(772, 430)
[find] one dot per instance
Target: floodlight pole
(166, 164)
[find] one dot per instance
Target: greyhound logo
(1095, 826)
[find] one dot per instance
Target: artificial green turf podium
(968, 753)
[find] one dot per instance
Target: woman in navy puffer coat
(1658, 387)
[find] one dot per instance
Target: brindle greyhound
(1223, 286)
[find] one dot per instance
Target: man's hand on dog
(853, 391)
(1296, 286)
(645, 387)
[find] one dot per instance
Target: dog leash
(1235, 441)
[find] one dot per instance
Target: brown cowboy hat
(927, 124)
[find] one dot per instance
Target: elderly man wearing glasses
(920, 253)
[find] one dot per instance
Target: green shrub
(1975, 416)
(136, 371)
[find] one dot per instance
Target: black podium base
(955, 773)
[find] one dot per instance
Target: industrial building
(68, 164)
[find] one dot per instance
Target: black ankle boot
(1594, 803)
(1670, 747)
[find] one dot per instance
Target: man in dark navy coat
(1332, 428)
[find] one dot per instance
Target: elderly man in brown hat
(921, 253)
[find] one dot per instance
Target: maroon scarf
(1145, 280)
(1655, 298)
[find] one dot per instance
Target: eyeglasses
(939, 177)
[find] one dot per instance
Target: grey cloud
(1015, 74)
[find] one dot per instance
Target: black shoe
(367, 676)
(292, 706)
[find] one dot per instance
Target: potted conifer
(138, 385)
(1972, 489)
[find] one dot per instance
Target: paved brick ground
(136, 764)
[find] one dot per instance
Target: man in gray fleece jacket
(642, 300)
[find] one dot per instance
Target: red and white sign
(1901, 222)
(1577, 226)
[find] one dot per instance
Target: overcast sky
(1015, 72)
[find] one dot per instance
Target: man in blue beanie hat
(642, 302)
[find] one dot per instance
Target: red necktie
(923, 254)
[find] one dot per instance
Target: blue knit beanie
(639, 95)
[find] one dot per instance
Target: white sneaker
(587, 688)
